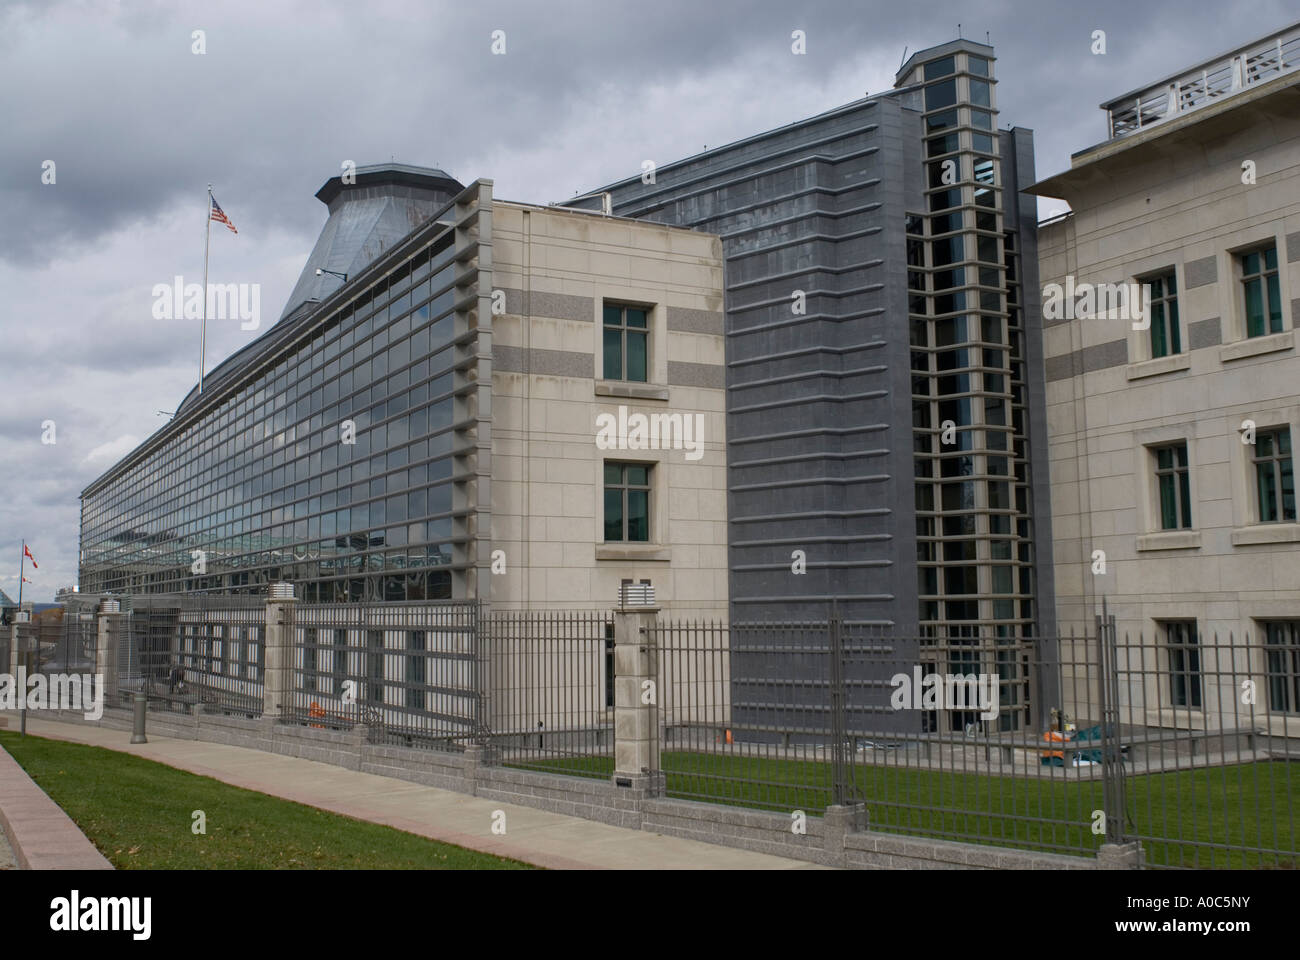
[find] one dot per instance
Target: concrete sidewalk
(35, 833)
(535, 836)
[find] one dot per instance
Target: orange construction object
(1055, 736)
(316, 711)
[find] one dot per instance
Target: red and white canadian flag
(28, 554)
(27, 580)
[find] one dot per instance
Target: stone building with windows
(1172, 428)
(424, 420)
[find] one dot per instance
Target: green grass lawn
(1185, 818)
(138, 813)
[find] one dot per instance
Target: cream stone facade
(1190, 194)
(553, 271)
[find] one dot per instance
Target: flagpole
(203, 330)
(22, 572)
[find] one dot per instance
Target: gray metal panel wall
(819, 416)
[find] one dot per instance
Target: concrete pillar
(636, 741)
(1121, 856)
(108, 629)
(277, 674)
(838, 823)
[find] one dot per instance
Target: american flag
(219, 215)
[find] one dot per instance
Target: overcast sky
(137, 124)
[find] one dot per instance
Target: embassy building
(885, 402)
(421, 422)
(860, 322)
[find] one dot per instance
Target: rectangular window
(1274, 480)
(415, 670)
(940, 68)
(309, 660)
(1173, 480)
(1263, 295)
(627, 503)
(1184, 663)
(626, 332)
(940, 95)
(375, 666)
(340, 664)
(1166, 335)
(1282, 650)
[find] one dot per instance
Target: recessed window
(940, 68)
(627, 503)
(1261, 291)
(1173, 481)
(941, 94)
(375, 666)
(1274, 479)
(977, 65)
(980, 92)
(1282, 652)
(415, 670)
(1166, 335)
(941, 121)
(1184, 663)
(626, 342)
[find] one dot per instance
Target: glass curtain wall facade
(328, 462)
(974, 510)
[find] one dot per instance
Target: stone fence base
(840, 838)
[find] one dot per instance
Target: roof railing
(1224, 76)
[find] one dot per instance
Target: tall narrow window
(626, 346)
(375, 666)
(1282, 649)
(1174, 482)
(309, 661)
(1184, 663)
(1166, 336)
(340, 664)
(1274, 479)
(1261, 290)
(627, 502)
(415, 670)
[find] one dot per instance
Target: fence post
(12, 665)
(839, 720)
(636, 741)
(107, 621)
(1112, 761)
(277, 669)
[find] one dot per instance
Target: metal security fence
(410, 671)
(1185, 743)
(219, 659)
(59, 644)
(549, 679)
(183, 652)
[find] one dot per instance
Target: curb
(43, 837)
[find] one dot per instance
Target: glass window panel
(940, 68)
(636, 356)
(613, 354)
(942, 94)
(613, 515)
(638, 515)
